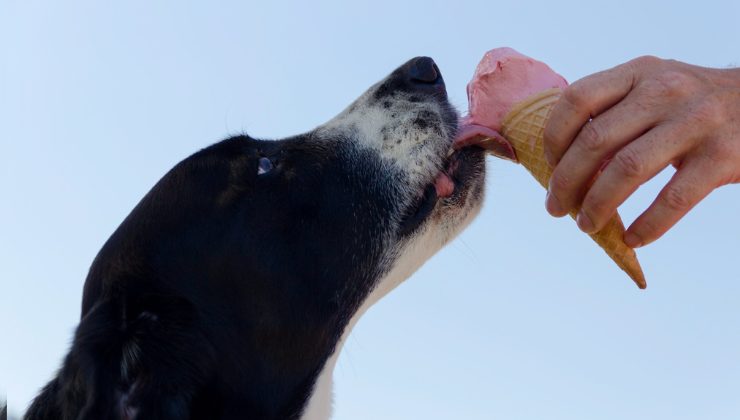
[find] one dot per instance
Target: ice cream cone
(523, 127)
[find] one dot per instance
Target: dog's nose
(422, 74)
(419, 75)
(423, 70)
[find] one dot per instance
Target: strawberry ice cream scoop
(502, 79)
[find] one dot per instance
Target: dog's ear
(131, 359)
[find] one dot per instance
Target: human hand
(614, 130)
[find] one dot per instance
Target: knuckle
(719, 151)
(593, 136)
(722, 157)
(629, 163)
(670, 84)
(559, 184)
(596, 209)
(577, 95)
(709, 112)
(646, 61)
(676, 198)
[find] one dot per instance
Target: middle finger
(594, 144)
(631, 167)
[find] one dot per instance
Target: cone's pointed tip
(640, 282)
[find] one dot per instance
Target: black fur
(224, 292)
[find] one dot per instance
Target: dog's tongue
(502, 79)
(471, 134)
(444, 185)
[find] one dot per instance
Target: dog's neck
(320, 402)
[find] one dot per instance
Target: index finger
(581, 101)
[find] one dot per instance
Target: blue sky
(522, 317)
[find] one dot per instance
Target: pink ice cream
(502, 79)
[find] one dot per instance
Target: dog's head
(279, 244)
(338, 207)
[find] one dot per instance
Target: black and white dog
(229, 290)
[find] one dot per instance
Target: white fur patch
(392, 132)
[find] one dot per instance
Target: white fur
(372, 126)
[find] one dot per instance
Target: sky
(522, 317)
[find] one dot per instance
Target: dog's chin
(454, 194)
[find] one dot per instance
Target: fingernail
(584, 222)
(632, 240)
(553, 205)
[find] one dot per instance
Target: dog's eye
(264, 166)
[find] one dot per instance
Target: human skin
(613, 131)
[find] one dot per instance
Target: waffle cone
(523, 127)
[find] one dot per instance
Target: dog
(229, 290)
